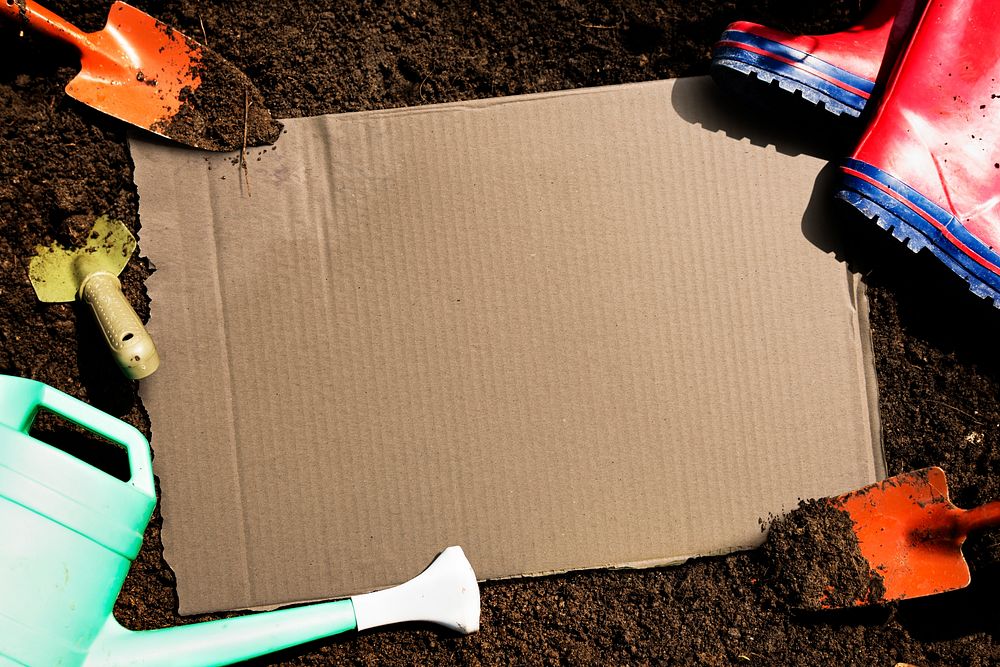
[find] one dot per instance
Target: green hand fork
(71, 532)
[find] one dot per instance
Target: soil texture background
(938, 374)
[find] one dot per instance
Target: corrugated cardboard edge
(871, 378)
(638, 565)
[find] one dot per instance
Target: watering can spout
(220, 642)
(445, 593)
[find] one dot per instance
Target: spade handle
(985, 516)
(44, 21)
(128, 340)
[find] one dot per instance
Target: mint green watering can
(70, 533)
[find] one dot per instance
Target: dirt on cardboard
(939, 380)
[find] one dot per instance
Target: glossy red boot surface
(837, 70)
(928, 167)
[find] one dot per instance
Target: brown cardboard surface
(567, 330)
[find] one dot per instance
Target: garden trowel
(146, 73)
(90, 274)
(910, 535)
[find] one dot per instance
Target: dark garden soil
(938, 374)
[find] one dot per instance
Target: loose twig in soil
(243, 150)
(596, 26)
(959, 410)
(320, 17)
(204, 35)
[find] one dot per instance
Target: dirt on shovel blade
(817, 560)
(224, 113)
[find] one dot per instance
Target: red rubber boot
(838, 70)
(928, 166)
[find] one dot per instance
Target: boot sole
(919, 223)
(750, 56)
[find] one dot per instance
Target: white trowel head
(446, 593)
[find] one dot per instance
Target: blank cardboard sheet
(569, 330)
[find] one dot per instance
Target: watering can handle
(115, 430)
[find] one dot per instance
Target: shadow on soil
(107, 388)
(944, 617)
(933, 304)
(953, 615)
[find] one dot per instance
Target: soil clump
(225, 112)
(815, 554)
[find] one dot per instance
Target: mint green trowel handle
(90, 418)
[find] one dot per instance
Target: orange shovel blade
(136, 69)
(144, 72)
(908, 531)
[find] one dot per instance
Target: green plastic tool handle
(103, 424)
(128, 340)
